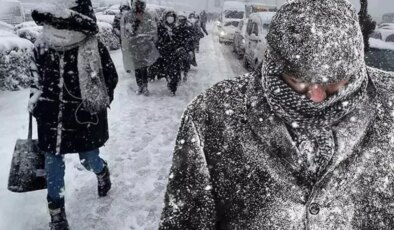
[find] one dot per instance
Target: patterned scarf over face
(309, 122)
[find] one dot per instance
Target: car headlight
(222, 33)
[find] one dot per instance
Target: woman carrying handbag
(74, 82)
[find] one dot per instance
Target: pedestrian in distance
(203, 21)
(305, 143)
(167, 45)
(185, 36)
(73, 85)
(123, 8)
(198, 34)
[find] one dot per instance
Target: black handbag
(27, 171)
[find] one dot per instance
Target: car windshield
(235, 24)
(233, 14)
(388, 18)
(380, 59)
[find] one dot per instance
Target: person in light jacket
(139, 35)
(305, 143)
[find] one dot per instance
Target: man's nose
(316, 93)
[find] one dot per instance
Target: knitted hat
(138, 5)
(317, 40)
(76, 15)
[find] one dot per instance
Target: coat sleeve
(189, 201)
(35, 81)
(109, 71)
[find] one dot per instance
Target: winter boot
(145, 91)
(104, 181)
(58, 219)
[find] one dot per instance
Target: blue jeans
(54, 167)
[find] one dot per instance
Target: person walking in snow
(74, 82)
(203, 21)
(198, 34)
(185, 36)
(139, 35)
(167, 45)
(123, 9)
(305, 143)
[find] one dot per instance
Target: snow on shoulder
(382, 45)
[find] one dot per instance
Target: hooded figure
(304, 144)
(185, 31)
(73, 85)
(198, 34)
(167, 45)
(123, 8)
(139, 34)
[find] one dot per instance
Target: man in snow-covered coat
(139, 35)
(73, 85)
(305, 144)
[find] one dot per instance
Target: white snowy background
(139, 151)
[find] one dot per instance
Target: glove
(33, 101)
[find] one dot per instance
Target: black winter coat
(185, 36)
(235, 166)
(81, 130)
(167, 42)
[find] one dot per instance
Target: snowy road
(139, 152)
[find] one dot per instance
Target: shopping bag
(27, 171)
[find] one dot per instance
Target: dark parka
(167, 45)
(167, 40)
(185, 36)
(81, 130)
(234, 166)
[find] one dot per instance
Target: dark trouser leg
(141, 77)
(173, 78)
(92, 162)
(54, 167)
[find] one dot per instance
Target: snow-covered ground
(139, 152)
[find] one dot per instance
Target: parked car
(15, 59)
(28, 30)
(255, 38)
(388, 18)
(232, 13)
(384, 32)
(380, 55)
(239, 39)
(12, 12)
